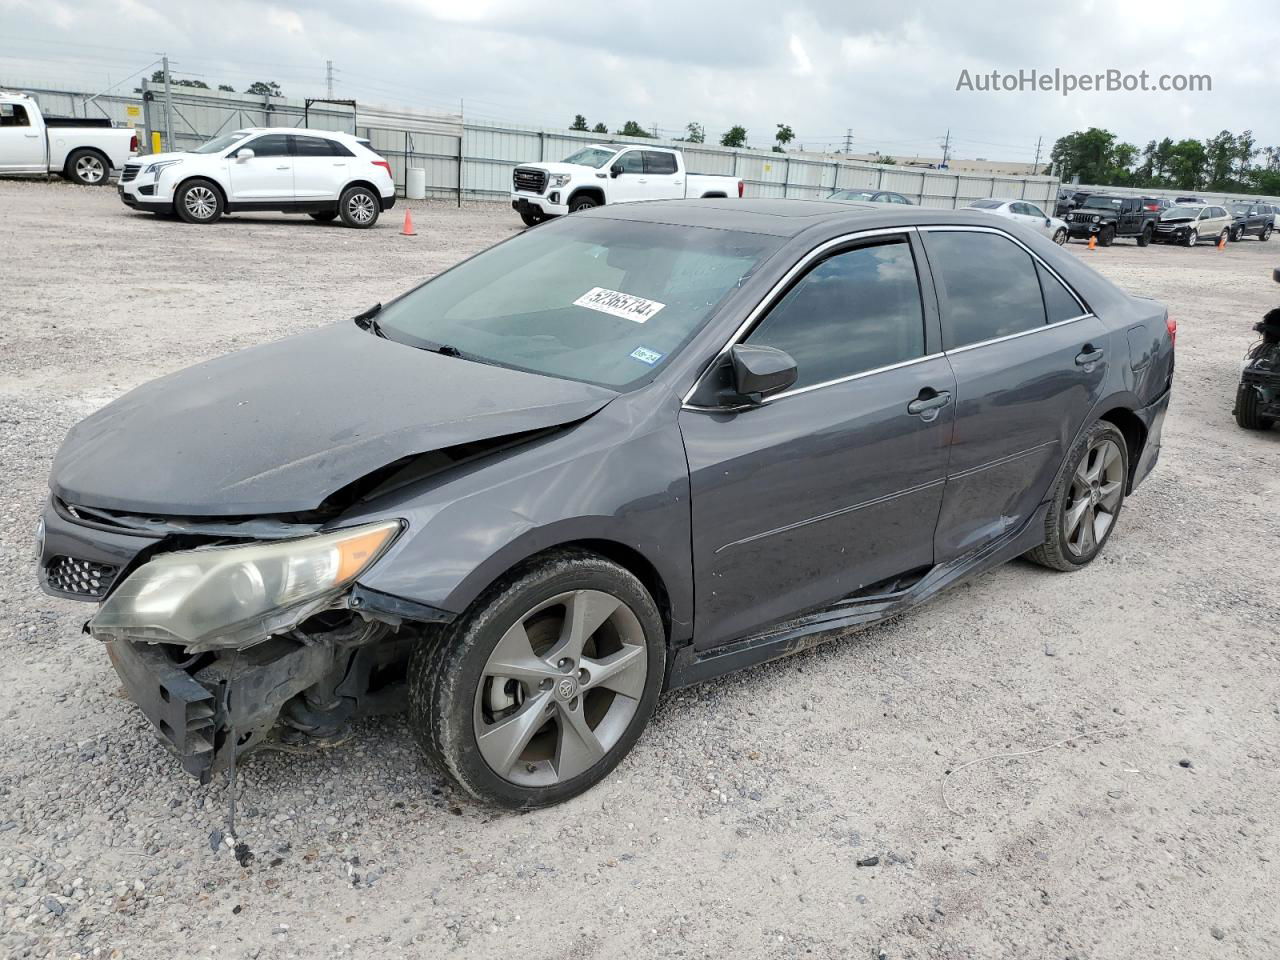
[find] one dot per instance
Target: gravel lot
(737, 826)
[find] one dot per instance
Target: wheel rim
(200, 202)
(1192, 237)
(560, 688)
(360, 208)
(1060, 237)
(89, 169)
(1093, 499)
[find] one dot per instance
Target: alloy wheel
(1060, 238)
(1097, 488)
(200, 202)
(360, 208)
(90, 169)
(560, 688)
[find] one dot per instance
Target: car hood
(161, 157)
(573, 168)
(276, 429)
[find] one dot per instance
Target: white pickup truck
(597, 175)
(83, 151)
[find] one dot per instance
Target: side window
(853, 312)
(1020, 209)
(313, 147)
(659, 163)
(13, 115)
(1059, 303)
(272, 145)
(897, 198)
(989, 283)
(632, 162)
(1034, 211)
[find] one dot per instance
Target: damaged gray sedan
(619, 453)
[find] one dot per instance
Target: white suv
(318, 172)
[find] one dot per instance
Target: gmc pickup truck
(597, 175)
(83, 151)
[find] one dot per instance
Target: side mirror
(244, 153)
(759, 372)
(1048, 222)
(615, 169)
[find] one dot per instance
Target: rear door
(834, 484)
(665, 182)
(265, 177)
(1029, 362)
(21, 141)
(319, 168)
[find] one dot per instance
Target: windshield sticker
(618, 304)
(645, 355)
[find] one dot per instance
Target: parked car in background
(82, 151)
(1108, 216)
(600, 174)
(1275, 218)
(1251, 220)
(1156, 204)
(869, 196)
(627, 451)
(1026, 213)
(1188, 200)
(1190, 223)
(285, 169)
(1068, 200)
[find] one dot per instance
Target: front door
(836, 483)
(319, 168)
(631, 183)
(1029, 362)
(21, 143)
(267, 175)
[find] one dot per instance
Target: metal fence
(1206, 196)
(469, 160)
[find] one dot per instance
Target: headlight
(158, 166)
(236, 596)
(560, 179)
(1096, 219)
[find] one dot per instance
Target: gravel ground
(793, 810)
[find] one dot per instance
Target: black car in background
(630, 450)
(1251, 220)
(1068, 200)
(1108, 216)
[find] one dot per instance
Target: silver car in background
(1028, 214)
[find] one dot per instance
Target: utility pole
(1036, 163)
(848, 141)
(168, 105)
(655, 130)
(946, 149)
(328, 78)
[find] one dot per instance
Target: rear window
(987, 204)
(13, 115)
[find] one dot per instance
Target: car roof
(303, 131)
(785, 218)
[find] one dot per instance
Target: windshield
(604, 301)
(590, 157)
(221, 143)
(987, 204)
(1174, 212)
(852, 195)
(1102, 203)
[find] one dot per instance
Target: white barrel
(415, 183)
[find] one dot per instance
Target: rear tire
(585, 695)
(1086, 500)
(88, 168)
(359, 207)
(324, 216)
(1246, 411)
(198, 201)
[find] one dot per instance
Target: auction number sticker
(614, 303)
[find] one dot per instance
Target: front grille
(81, 578)
(529, 181)
(130, 172)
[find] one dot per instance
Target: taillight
(133, 144)
(739, 189)
(384, 165)
(1172, 326)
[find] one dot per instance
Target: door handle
(32, 136)
(1088, 356)
(929, 404)
(285, 167)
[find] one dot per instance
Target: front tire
(1086, 500)
(88, 168)
(1144, 238)
(198, 201)
(1193, 237)
(582, 203)
(1107, 236)
(1265, 235)
(1235, 234)
(359, 207)
(531, 216)
(1060, 237)
(538, 691)
(1246, 411)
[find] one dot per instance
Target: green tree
(1220, 154)
(1088, 154)
(599, 128)
(783, 136)
(735, 136)
(265, 88)
(1246, 150)
(226, 88)
(882, 158)
(1187, 159)
(633, 129)
(694, 133)
(579, 122)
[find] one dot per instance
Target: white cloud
(803, 66)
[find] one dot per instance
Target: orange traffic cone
(1222, 243)
(1093, 243)
(408, 230)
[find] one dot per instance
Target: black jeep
(1107, 216)
(1251, 220)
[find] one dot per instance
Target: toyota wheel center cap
(566, 689)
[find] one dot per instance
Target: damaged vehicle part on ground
(627, 451)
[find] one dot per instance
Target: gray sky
(886, 70)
